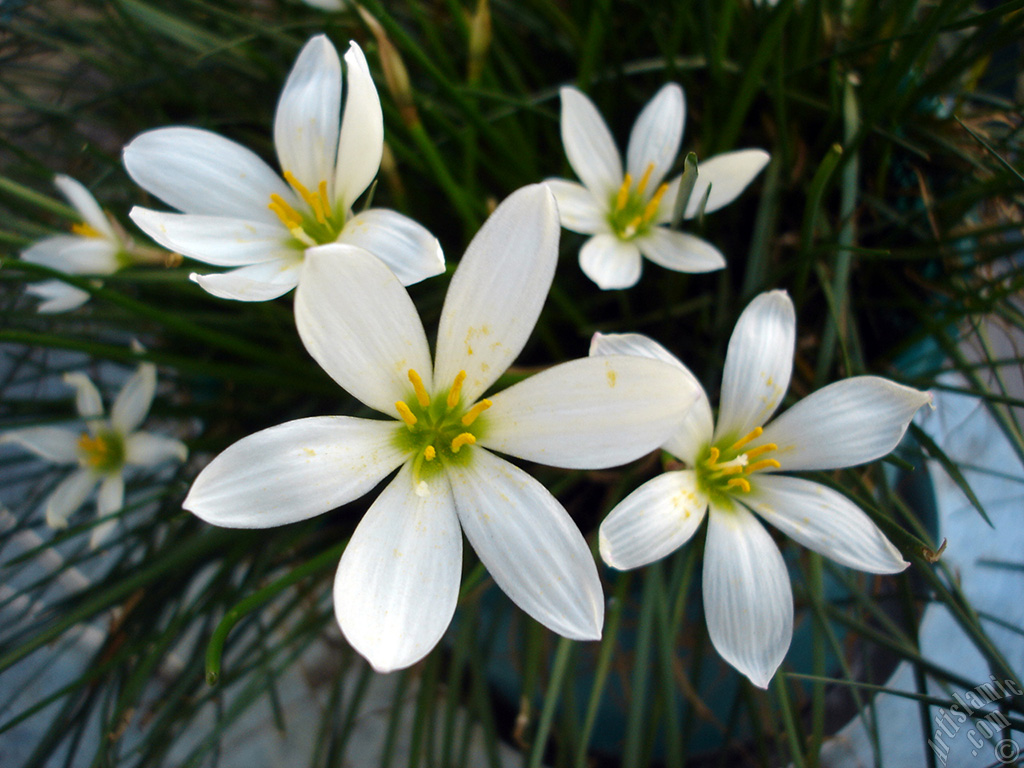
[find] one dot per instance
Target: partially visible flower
(327, 5)
(398, 582)
(239, 213)
(730, 468)
(628, 213)
(102, 450)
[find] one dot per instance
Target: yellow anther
(456, 390)
(85, 230)
(421, 392)
(642, 184)
(460, 440)
(651, 210)
(766, 448)
(407, 415)
(315, 201)
(713, 457)
(634, 224)
(476, 410)
(96, 449)
(622, 196)
(739, 482)
(324, 200)
(429, 453)
(735, 469)
(752, 435)
(759, 465)
(288, 215)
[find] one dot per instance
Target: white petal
(758, 365)
(110, 499)
(398, 583)
(849, 422)
(57, 445)
(403, 244)
(217, 240)
(591, 413)
(86, 205)
(610, 262)
(75, 255)
(727, 174)
(257, 282)
(308, 114)
(68, 496)
(656, 136)
(361, 143)
(198, 171)
(87, 397)
(530, 545)
(679, 251)
(144, 449)
(589, 145)
(497, 292)
(693, 434)
(294, 471)
(653, 521)
(578, 209)
(133, 401)
(748, 600)
(825, 521)
(102, 532)
(57, 296)
(359, 324)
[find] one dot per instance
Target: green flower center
(631, 214)
(319, 223)
(725, 471)
(103, 452)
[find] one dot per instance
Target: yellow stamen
(456, 390)
(314, 201)
(324, 201)
(429, 453)
(766, 448)
(759, 465)
(464, 439)
(739, 482)
(713, 457)
(752, 435)
(407, 415)
(633, 225)
(288, 215)
(733, 470)
(622, 196)
(85, 230)
(96, 449)
(652, 207)
(421, 392)
(642, 184)
(476, 410)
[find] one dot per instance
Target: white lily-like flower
(398, 582)
(731, 468)
(628, 212)
(238, 213)
(102, 450)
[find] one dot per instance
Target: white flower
(94, 248)
(398, 582)
(102, 450)
(628, 213)
(239, 213)
(731, 469)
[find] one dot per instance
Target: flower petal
(51, 443)
(217, 240)
(693, 433)
(110, 499)
(758, 365)
(406, 246)
(144, 449)
(198, 171)
(87, 397)
(398, 582)
(589, 145)
(849, 422)
(656, 136)
(68, 496)
(727, 174)
(653, 521)
(679, 251)
(74, 255)
(86, 205)
(496, 294)
(57, 296)
(825, 521)
(610, 262)
(257, 282)
(578, 209)
(133, 401)
(307, 117)
(294, 471)
(530, 545)
(590, 413)
(748, 601)
(361, 143)
(368, 341)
